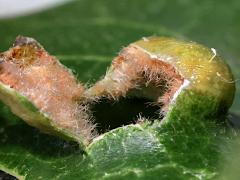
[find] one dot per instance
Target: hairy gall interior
(134, 73)
(30, 70)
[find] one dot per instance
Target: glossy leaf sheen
(85, 35)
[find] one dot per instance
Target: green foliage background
(95, 30)
(85, 35)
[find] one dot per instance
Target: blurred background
(15, 8)
(91, 32)
(86, 34)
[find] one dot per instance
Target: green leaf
(97, 30)
(85, 35)
(184, 147)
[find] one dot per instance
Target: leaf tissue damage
(61, 101)
(176, 76)
(39, 77)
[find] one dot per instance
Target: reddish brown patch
(135, 70)
(30, 70)
(154, 71)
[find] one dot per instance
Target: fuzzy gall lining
(30, 70)
(135, 73)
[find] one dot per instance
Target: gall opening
(135, 85)
(110, 115)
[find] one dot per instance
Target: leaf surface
(85, 35)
